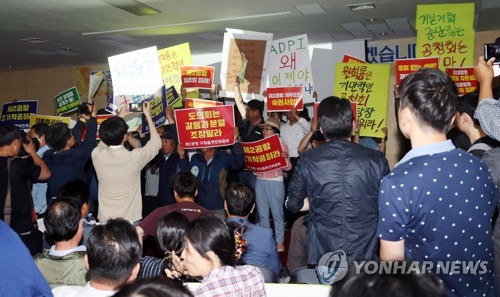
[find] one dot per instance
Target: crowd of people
(215, 223)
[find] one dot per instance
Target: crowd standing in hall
(437, 204)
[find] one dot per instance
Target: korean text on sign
(18, 113)
(406, 66)
(205, 127)
(264, 155)
(464, 79)
(284, 98)
(201, 77)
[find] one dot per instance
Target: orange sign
(264, 155)
(201, 77)
(284, 98)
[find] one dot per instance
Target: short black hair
(154, 287)
(209, 233)
(76, 191)
(62, 220)
(170, 232)
(240, 199)
(57, 135)
(431, 95)
(255, 104)
(9, 133)
(335, 117)
(40, 129)
(113, 250)
(185, 184)
(113, 130)
(468, 104)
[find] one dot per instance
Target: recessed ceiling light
(310, 9)
(354, 7)
(382, 33)
(371, 20)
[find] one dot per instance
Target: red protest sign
(464, 78)
(284, 98)
(201, 77)
(354, 107)
(205, 127)
(264, 155)
(101, 118)
(406, 66)
(200, 103)
(351, 59)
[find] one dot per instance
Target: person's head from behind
(113, 130)
(113, 253)
(63, 221)
(10, 140)
(255, 110)
(209, 245)
(335, 118)
(154, 287)
(428, 102)
(390, 285)
(466, 107)
(240, 200)
(38, 131)
(78, 192)
(170, 235)
(59, 137)
(184, 185)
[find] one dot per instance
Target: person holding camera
(16, 177)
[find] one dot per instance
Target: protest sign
(245, 57)
(158, 102)
(18, 113)
(49, 120)
(446, 30)
(205, 127)
(264, 155)
(464, 79)
(201, 77)
(351, 59)
(199, 103)
(173, 97)
(284, 98)
(368, 86)
(406, 66)
(136, 75)
(101, 118)
(95, 81)
(67, 101)
(290, 65)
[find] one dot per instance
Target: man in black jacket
(338, 182)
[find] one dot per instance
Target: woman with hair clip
(212, 249)
(170, 236)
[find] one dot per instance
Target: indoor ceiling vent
(354, 7)
(34, 40)
(133, 6)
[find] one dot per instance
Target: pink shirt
(277, 172)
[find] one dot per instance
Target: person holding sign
(270, 189)
(119, 170)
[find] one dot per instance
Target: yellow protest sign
(171, 60)
(49, 120)
(368, 86)
(446, 30)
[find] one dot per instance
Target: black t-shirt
(22, 173)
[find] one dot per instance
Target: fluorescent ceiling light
(361, 6)
(191, 23)
(310, 9)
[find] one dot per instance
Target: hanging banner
(136, 76)
(284, 98)
(201, 77)
(368, 86)
(245, 56)
(205, 127)
(49, 120)
(18, 113)
(101, 118)
(264, 155)
(406, 66)
(158, 103)
(67, 101)
(200, 103)
(446, 30)
(290, 65)
(464, 79)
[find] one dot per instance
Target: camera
(492, 50)
(135, 107)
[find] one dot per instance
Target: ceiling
(65, 24)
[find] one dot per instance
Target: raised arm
(44, 170)
(238, 99)
(484, 75)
